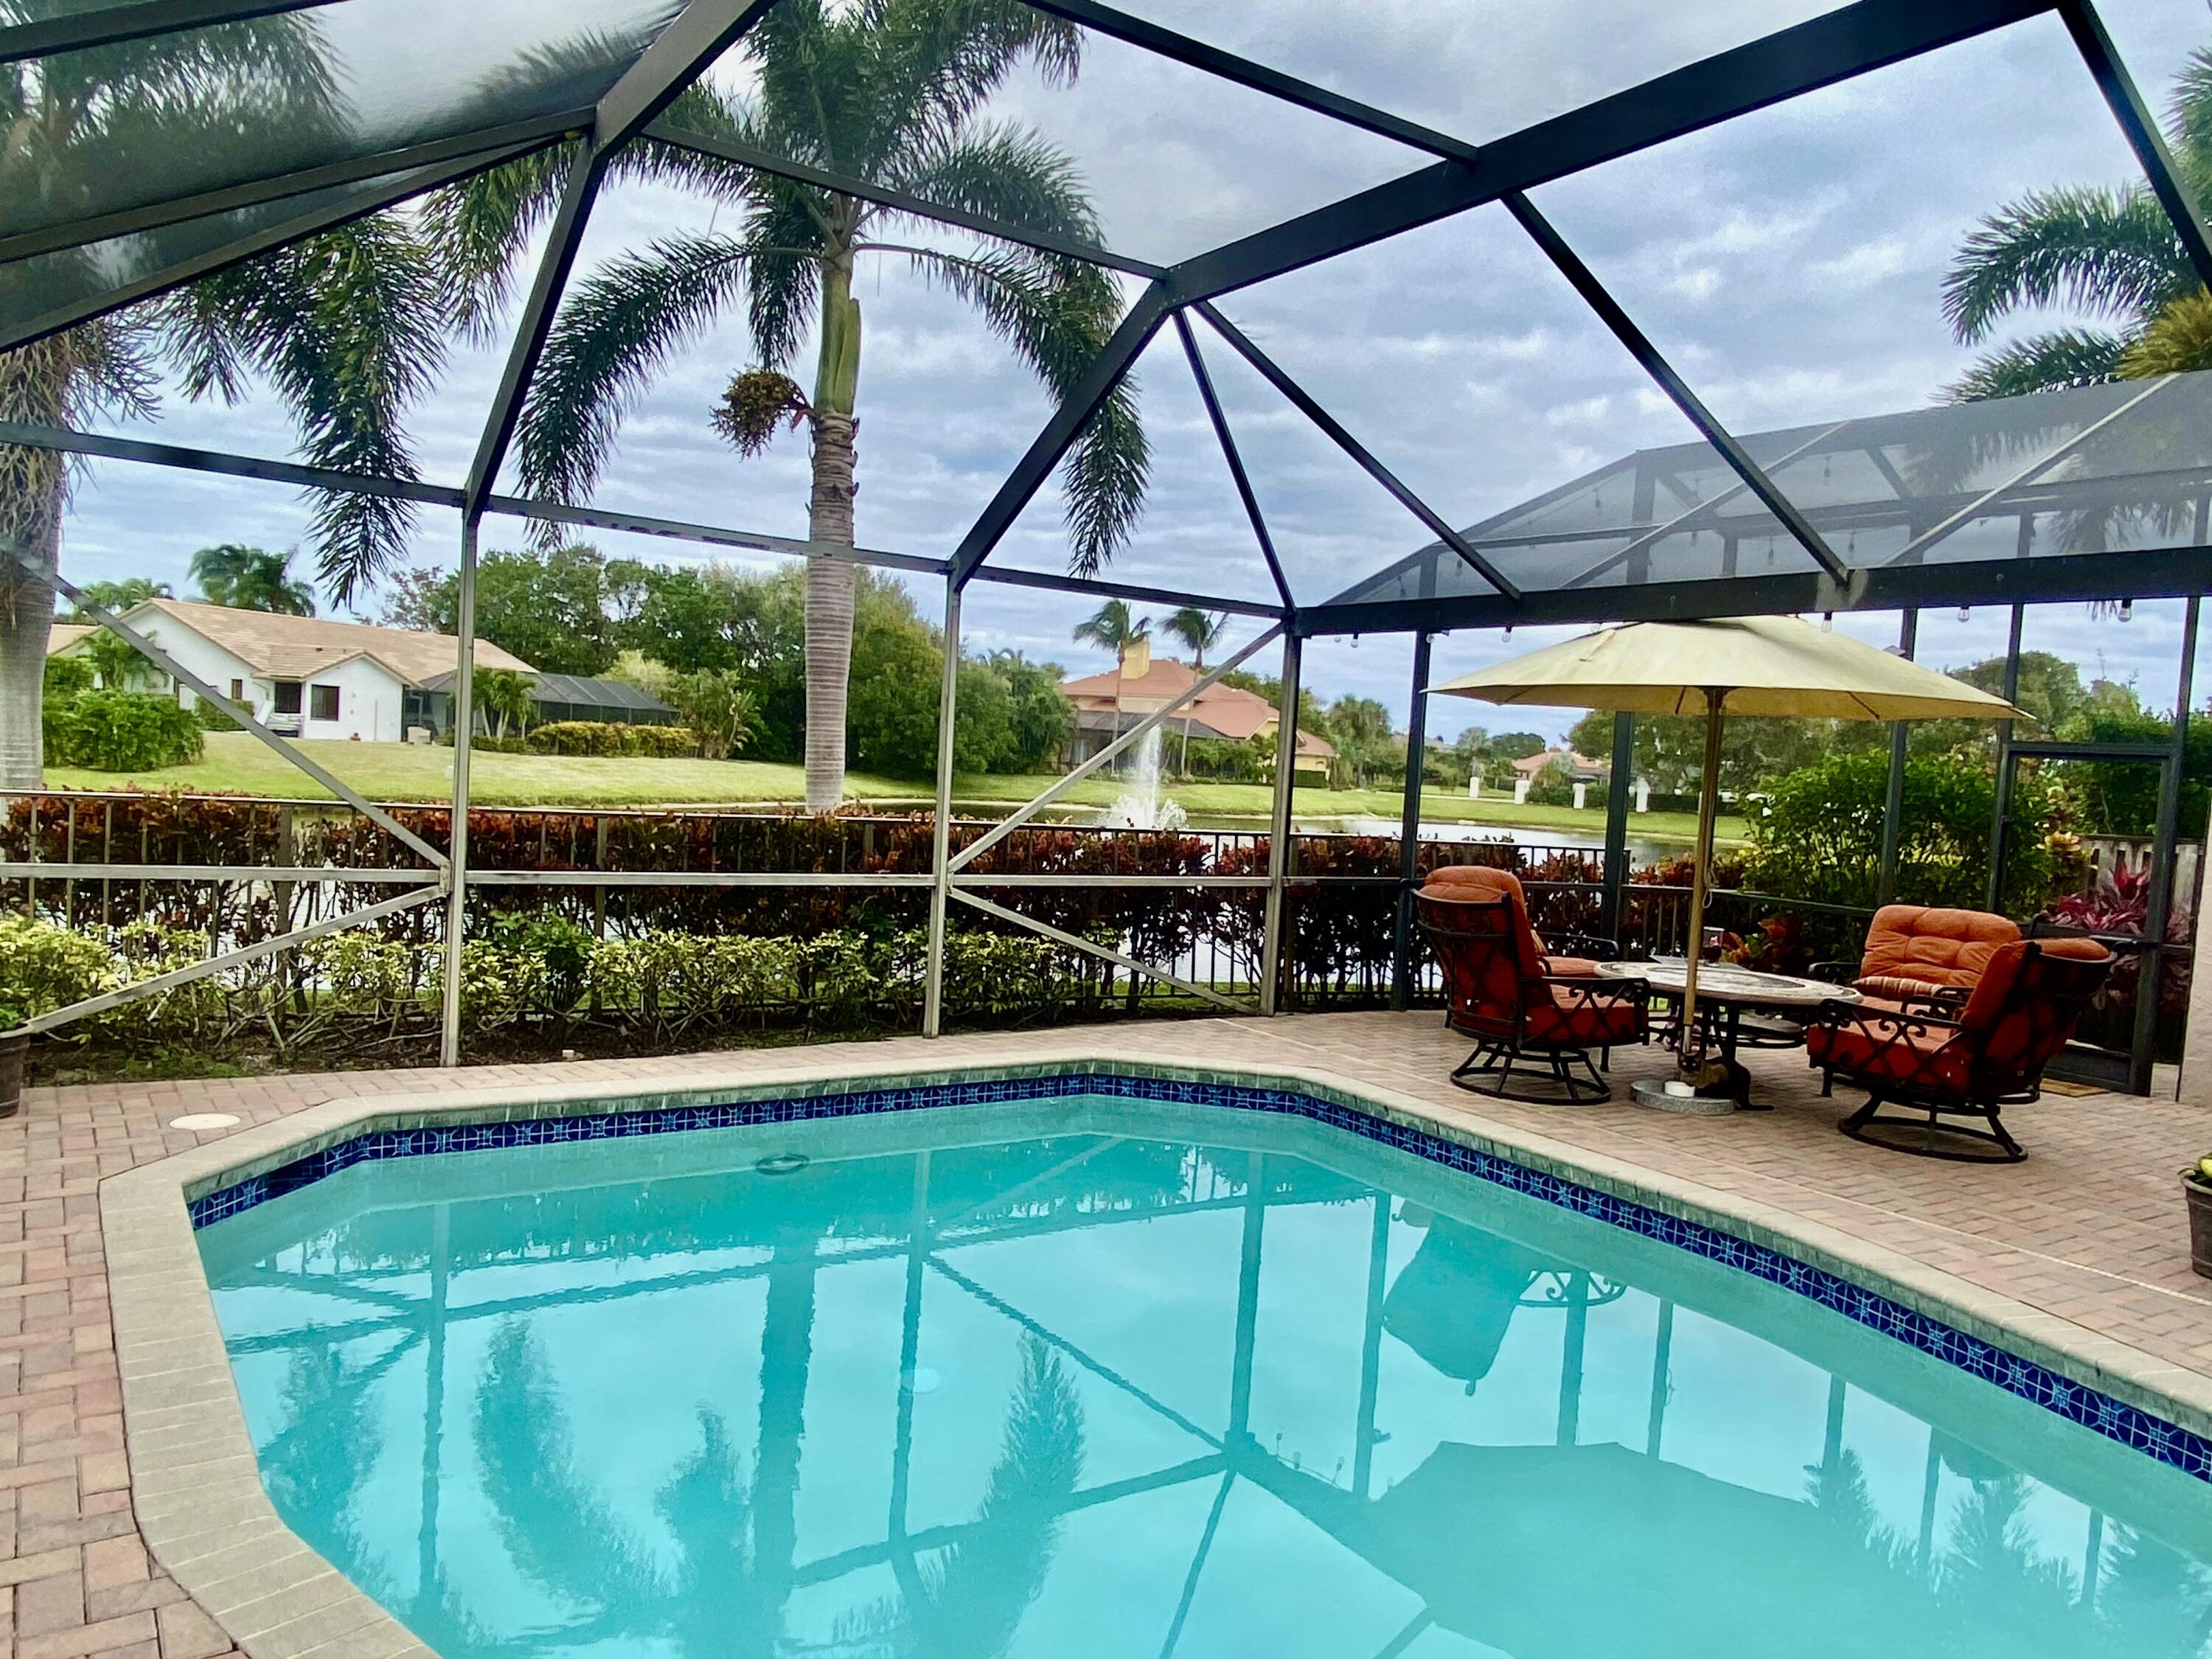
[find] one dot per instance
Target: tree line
(727, 649)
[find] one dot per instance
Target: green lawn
(236, 763)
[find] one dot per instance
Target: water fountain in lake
(1141, 805)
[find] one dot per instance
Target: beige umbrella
(1734, 665)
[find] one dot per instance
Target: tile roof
(66, 634)
(294, 648)
(1229, 711)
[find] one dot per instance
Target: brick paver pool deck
(2089, 1231)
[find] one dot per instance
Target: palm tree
(888, 89)
(347, 326)
(1115, 628)
(2110, 253)
(1200, 631)
(503, 695)
(119, 596)
(252, 579)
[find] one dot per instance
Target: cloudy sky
(1789, 264)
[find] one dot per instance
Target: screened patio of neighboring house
(1646, 436)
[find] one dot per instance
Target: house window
(323, 703)
(288, 696)
(238, 691)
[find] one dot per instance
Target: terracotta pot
(13, 1045)
(2200, 1222)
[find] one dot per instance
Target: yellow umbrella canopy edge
(1775, 666)
(1763, 664)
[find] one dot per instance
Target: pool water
(1098, 1377)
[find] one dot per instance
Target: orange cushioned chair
(1501, 990)
(2022, 1010)
(1480, 881)
(1919, 953)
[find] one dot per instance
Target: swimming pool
(1094, 1376)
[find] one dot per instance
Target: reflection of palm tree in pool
(315, 1469)
(967, 1600)
(734, 1539)
(1996, 1594)
(319, 1493)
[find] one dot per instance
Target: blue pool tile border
(2167, 1442)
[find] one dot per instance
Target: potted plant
(15, 1041)
(2196, 1188)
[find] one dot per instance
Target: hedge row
(600, 738)
(120, 731)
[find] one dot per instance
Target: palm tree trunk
(830, 582)
(26, 616)
(829, 588)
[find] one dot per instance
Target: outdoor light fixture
(2127, 610)
(1827, 622)
(1964, 611)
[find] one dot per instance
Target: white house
(301, 676)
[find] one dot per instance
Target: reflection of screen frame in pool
(893, 1115)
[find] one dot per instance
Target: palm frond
(349, 327)
(2106, 252)
(931, 64)
(2044, 362)
(2178, 341)
(2189, 111)
(1006, 172)
(1057, 314)
(617, 329)
(481, 226)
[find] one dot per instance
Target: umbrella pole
(1700, 875)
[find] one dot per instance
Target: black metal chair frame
(1496, 1054)
(1982, 1098)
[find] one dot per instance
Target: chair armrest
(1596, 946)
(1836, 973)
(1586, 991)
(1880, 1025)
(1944, 1002)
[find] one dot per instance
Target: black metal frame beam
(679, 530)
(1334, 430)
(1234, 457)
(2142, 128)
(902, 201)
(1258, 77)
(396, 190)
(2163, 573)
(1045, 451)
(515, 138)
(701, 32)
(1853, 41)
(111, 26)
(1049, 582)
(212, 460)
(1653, 363)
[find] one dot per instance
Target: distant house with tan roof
(303, 676)
(1579, 768)
(1110, 703)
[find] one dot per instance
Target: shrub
(1553, 787)
(1819, 837)
(716, 705)
(43, 966)
(602, 739)
(66, 677)
(121, 732)
(661, 742)
(1231, 761)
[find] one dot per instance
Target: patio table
(1726, 995)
